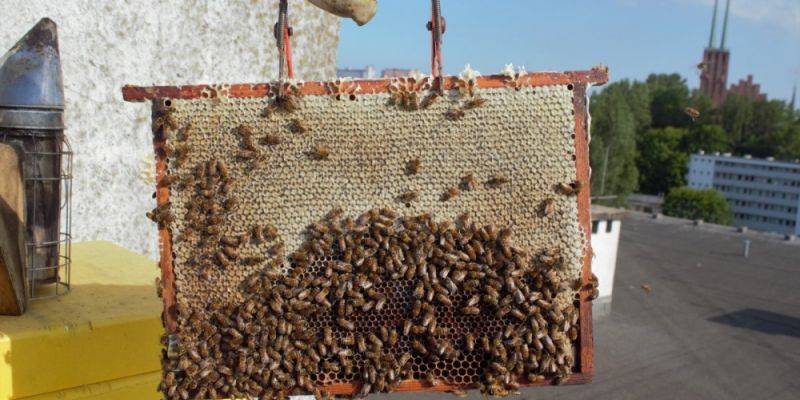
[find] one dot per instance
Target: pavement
(715, 325)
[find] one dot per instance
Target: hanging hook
(437, 26)
(282, 32)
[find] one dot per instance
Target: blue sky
(632, 37)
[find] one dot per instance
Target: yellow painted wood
(106, 330)
(139, 387)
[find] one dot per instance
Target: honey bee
(561, 379)
(181, 155)
(286, 102)
(470, 342)
(496, 181)
(412, 166)
(272, 139)
(298, 126)
(450, 194)
(454, 114)
(247, 154)
(407, 197)
(692, 113)
(404, 359)
(428, 100)
(471, 310)
(248, 143)
(319, 153)
(419, 347)
(230, 252)
(475, 102)
(406, 327)
(348, 340)
(222, 259)
(270, 232)
(469, 182)
(165, 120)
(397, 98)
(431, 379)
(167, 149)
(570, 189)
(230, 203)
(345, 324)
(547, 208)
(441, 298)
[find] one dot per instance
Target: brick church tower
(714, 67)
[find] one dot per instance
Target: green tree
(709, 138)
(669, 96)
(661, 161)
(789, 143)
(708, 205)
(614, 125)
(737, 116)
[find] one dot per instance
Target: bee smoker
(32, 120)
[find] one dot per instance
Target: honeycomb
(287, 167)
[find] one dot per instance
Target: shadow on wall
(761, 321)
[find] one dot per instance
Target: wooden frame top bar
(594, 76)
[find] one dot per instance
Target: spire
(30, 72)
(725, 24)
(794, 97)
(713, 25)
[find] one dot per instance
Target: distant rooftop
(748, 158)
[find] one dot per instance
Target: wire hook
(437, 26)
(282, 32)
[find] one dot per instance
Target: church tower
(714, 67)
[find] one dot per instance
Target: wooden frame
(577, 81)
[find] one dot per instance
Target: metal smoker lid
(31, 85)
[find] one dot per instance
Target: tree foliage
(708, 205)
(661, 161)
(669, 96)
(648, 136)
(614, 127)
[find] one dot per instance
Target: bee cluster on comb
(381, 299)
(451, 257)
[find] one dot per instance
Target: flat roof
(716, 325)
(751, 160)
(603, 213)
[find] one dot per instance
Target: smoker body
(32, 119)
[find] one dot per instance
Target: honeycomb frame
(576, 82)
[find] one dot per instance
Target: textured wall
(107, 44)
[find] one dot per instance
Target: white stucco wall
(604, 262)
(106, 44)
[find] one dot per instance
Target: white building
(606, 225)
(763, 194)
(367, 72)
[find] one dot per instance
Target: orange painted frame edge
(577, 80)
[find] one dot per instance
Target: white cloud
(782, 13)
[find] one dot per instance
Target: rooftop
(748, 159)
(715, 325)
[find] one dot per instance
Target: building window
(609, 226)
(595, 225)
